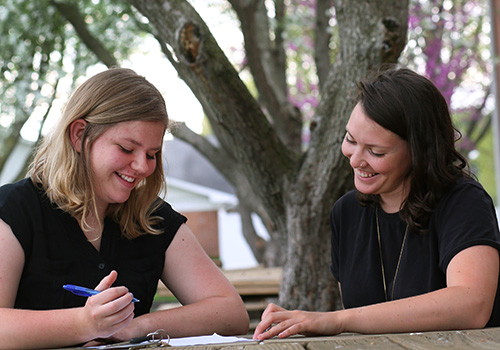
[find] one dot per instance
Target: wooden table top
(456, 340)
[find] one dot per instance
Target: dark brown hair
(412, 107)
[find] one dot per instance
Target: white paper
(204, 340)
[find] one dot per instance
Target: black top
(57, 251)
(464, 217)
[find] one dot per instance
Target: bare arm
(465, 303)
(210, 302)
(103, 314)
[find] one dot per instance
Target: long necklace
(382, 260)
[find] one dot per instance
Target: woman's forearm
(26, 329)
(444, 309)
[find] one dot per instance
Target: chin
(364, 189)
(119, 200)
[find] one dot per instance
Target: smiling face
(122, 157)
(380, 159)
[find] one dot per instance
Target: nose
(356, 159)
(140, 164)
(354, 153)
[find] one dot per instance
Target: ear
(76, 130)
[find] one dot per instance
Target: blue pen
(85, 292)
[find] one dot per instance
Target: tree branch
(267, 65)
(256, 243)
(215, 155)
(71, 12)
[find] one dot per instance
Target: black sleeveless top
(57, 251)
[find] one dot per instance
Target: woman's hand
(284, 323)
(110, 311)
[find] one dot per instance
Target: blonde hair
(106, 99)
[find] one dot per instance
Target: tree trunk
(292, 193)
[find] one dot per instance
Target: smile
(364, 174)
(127, 178)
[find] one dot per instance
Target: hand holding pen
(108, 310)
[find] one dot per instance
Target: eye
(152, 157)
(125, 150)
(376, 154)
(349, 140)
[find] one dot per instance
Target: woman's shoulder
(23, 190)
(22, 206)
(347, 206)
(349, 200)
(465, 200)
(171, 217)
(466, 189)
(21, 201)
(165, 208)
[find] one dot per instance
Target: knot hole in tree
(190, 42)
(392, 39)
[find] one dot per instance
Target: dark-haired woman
(415, 247)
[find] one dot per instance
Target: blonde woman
(89, 214)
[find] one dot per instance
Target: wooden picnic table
(484, 339)
(456, 340)
(265, 282)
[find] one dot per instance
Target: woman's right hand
(108, 312)
(277, 321)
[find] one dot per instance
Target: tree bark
(322, 38)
